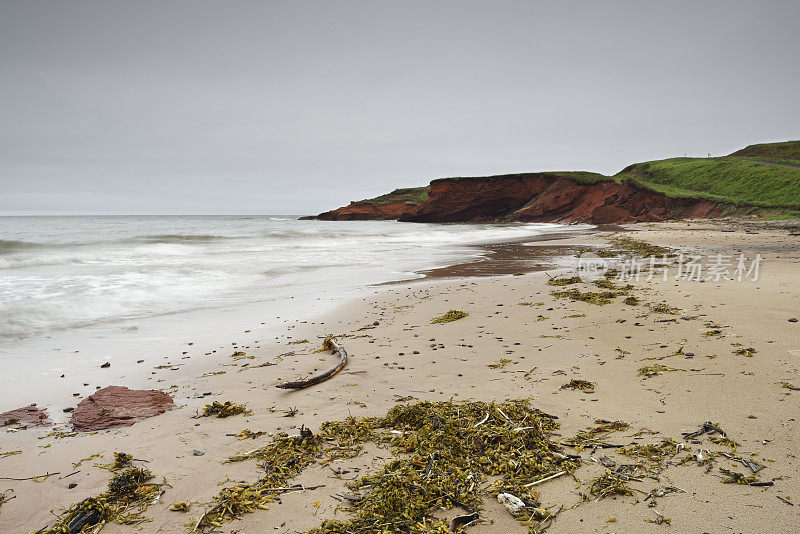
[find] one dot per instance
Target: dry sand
(742, 394)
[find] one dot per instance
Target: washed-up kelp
(592, 297)
(627, 246)
(6, 496)
(447, 451)
(610, 483)
(649, 371)
(226, 409)
(449, 317)
(663, 308)
(129, 494)
(596, 436)
(564, 281)
(121, 461)
(583, 385)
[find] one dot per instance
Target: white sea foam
(61, 273)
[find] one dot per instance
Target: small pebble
(72, 485)
(198, 453)
(793, 320)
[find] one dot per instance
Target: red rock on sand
(116, 406)
(25, 417)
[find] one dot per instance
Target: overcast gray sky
(297, 107)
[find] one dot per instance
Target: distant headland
(762, 180)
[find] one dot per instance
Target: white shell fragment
(512, 503)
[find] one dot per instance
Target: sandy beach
(518, 342)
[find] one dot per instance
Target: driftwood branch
(332, 343)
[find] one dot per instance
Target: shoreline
(163, 341)
(557, 340)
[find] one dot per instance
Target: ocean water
(78, 290)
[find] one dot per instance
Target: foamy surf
(77, 290)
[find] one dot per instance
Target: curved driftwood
(330, 343)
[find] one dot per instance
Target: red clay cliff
(357, 211)
(537, 197)
(533, 197)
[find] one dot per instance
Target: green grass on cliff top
(729, 179)
(581, 177)
(409, 195)
(785, 151)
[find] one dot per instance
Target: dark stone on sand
(793, 320)
(26, 417)
(67, 410)
(72, 486)
(105, 365)
(117, 406)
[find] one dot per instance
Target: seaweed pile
(650, 460)
(129, 494)
(222, 410)
(583, 385)
(592, 297)
(596, 436)
(627, 246)
(649, 371)
(446, 453)
(449, 317)
(564, 281)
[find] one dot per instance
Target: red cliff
(358, 211)
(567, 197)
(550, 197)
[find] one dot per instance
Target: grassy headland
(727, 179)
(782, 152)
(758, 177)
(409, 195)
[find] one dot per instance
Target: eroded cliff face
(543, 198)
(532, 197)
(635, 204)
(364, 212)
(515, 197)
